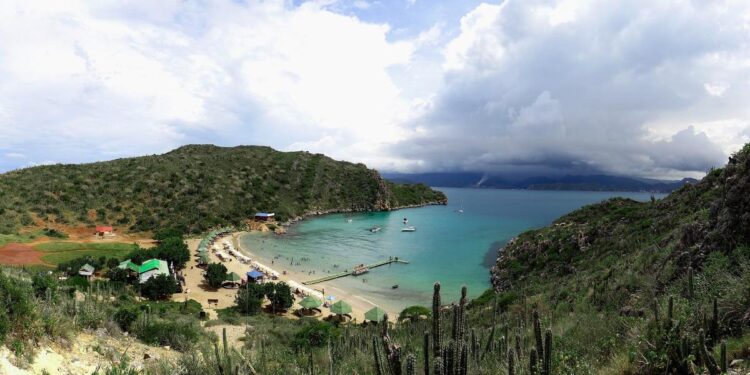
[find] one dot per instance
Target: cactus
(723, 357)
(378, 361)
(538, 334)
(391, 349)
(426, 350)
(706, 357)
(463, 367)
(714, 328)
(227, 357)
(547, 362)
(490, 341)
(690, 283)
(439, 368)
(474, 346)
(310, 363)
(449, 358)
(437, 325)
(218, 358)
(519, 352)
(533, 362)
(411, 362)
(511, 369)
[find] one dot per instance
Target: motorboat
(408, 229)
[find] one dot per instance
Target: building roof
(151, 264)
(255, 274)
(264, 214)
(104, 228)
(127, 264)
(86, 269)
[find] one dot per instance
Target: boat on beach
(408, 229)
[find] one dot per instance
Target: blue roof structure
(255, 274)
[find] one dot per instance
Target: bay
(448, 246)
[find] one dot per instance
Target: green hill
(196, 187)
(609, 268)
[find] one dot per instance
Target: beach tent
(255, 275)
(310, 302)
(232, 279)
(341, 308)
(375, 314)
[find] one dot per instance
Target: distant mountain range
(568, 182)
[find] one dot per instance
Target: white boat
(349, 220)
(408, 229)
(461, 210)
(375, 229)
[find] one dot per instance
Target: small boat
(408, 229)
(349, 220)
(461, 210)
(375, 229)
(395, 286)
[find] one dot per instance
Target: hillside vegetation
(642, 284)
(196, 187)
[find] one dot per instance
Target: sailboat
(461, 210)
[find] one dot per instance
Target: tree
(112, 263)
(413, 313)
(280, 295)
(41, 282)
(159, 287)
(249, 299)
(173, 250)
(216, 273)
(118, 274)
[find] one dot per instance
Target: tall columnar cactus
(490, 342)
(706, 357)
(670, 311)
(547, 362)
(519, 350)
(462, 315)
(538, 334)
(426, 350)
(378, 361)
(533, 362)
(439, 367)
(411, 363)
(463, 367)
(474, 346)
(437, 324)
(690, 283)
(714, 332)
(227, 357)
(392, 350)
(449, 357)
(511, 365)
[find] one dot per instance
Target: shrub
(249, 299)
(216, 273)
(124, 317)
(413, 313)
(118, 275)
(180, 334)
(159, 287)
(315, 334)
(280, 295)
(41, 282)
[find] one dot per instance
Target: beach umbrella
(341, 308)
(233, 277)
(375, 314)
(310, 302)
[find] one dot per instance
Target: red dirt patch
(17, 254)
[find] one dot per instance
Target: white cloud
(105, 79)
(15, 155)
(715, 89)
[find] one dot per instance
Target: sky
(641, 88)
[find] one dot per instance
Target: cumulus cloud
(643, 88)
(99, 80)
(588, 86)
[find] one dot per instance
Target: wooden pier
(347, 273)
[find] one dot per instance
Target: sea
(452, 247)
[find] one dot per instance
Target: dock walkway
(347, 273)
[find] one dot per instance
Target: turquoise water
(453, 248)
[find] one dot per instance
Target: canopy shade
(255, 274)
(310, 302)
(375, 314)
(341, 308)
(233, 277)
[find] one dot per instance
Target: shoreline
(333, 211)
(359, 304)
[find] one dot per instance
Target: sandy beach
(225, 297)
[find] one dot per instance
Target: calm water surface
(451, 247)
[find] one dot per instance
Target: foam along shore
(233, 256)
(359, 304)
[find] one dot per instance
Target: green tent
(233, 277)
(375, 314)
(341, 308)
(310, 302)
